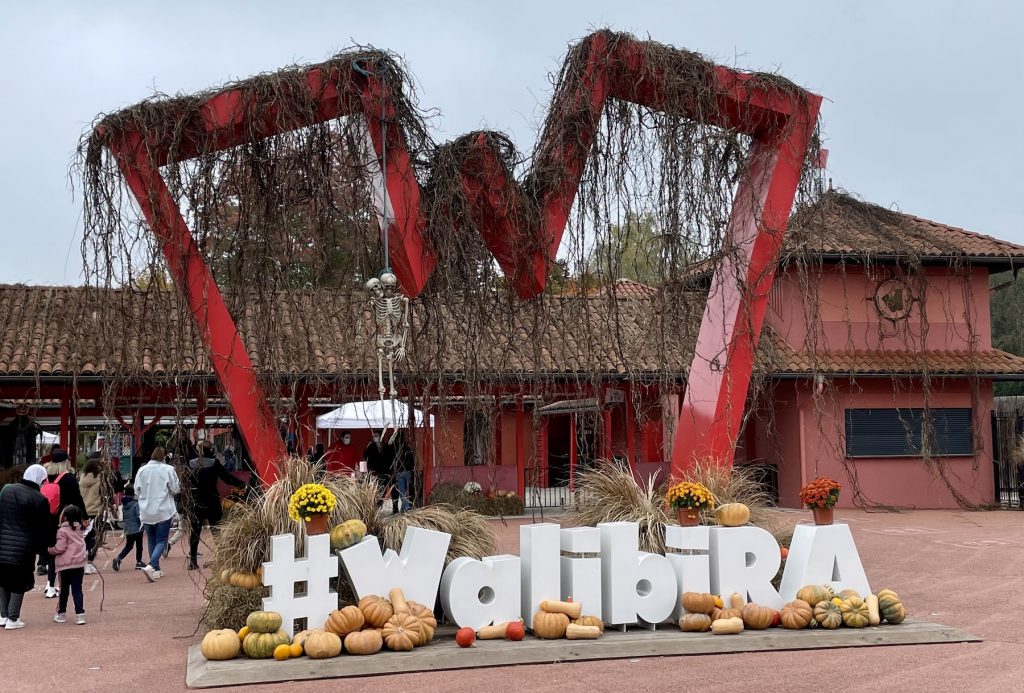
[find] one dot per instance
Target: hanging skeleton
(391, 314)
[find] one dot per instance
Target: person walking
(156, 485)
(132, 529)
(203, 474)
(91, 486)
(404, 465)
(61, 492)
(71, 556)
(24, 534)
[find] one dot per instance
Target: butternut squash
(736, 601)
(574, 632)
(874, 615)
(570, 609)
(727, 626)
(495, 632)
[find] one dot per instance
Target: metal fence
(1008, 456)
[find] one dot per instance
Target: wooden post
(65, 422)
(572, 452)
(520, 448)
(630, 426)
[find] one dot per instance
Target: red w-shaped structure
(523, 238)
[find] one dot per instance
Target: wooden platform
(443, 653)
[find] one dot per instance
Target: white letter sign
(823, 555)
(745, 560)
(417, 571)
(478, 593)
(538, 549)
(581, 577)
(693, 569)
(635, 585)
(283, 571)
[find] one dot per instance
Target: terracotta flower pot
(688, 517)
(317, 524)
(822, 516)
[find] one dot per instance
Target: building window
(476, 438)
(909, 432)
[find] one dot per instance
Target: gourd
(398, 603)
(796, 614)
(732, 515)
(855, 612)
(727, 626)
(321, 644)
(247, 581)
(698, 602)
(570, 609)
(264, 622)
(364, 642)
(343, 621)
(347, 534)
(515, 631)
(549, 626)
(300, 637)
(295, 650)
(495, 632)
(828, 615)
(874, 615)
(574, 632)
(736, 600)
(242, 632)
(401, 632)
(757, 617)
(426, 622)
(812, 594)
(846, 594)
(891, 607)
(376, 610)
(262, 645)
(218, 645)
(695, 623)
(282, 652)
(590, 621)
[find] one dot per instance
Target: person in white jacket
(156, 485)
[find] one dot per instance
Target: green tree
(1007, 306)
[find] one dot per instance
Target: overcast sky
(922, 97)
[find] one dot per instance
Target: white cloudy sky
(923, 97)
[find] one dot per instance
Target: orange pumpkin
(343, 621)
(376, 610)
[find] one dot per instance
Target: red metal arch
(780, 122)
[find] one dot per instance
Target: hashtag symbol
(283, 572)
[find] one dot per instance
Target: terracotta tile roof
(61, 331)
(626, 289)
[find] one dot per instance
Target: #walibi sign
(601, 567)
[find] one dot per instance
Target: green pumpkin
(347, 534)
(262, 645)
(263, 622)
(891, 607)
(812, 594)
(828, 615)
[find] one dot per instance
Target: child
(71, 559)
(132, 529)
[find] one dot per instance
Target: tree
(1007, 306)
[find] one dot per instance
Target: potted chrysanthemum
(312, 505)
(821, 496)
(688, 499)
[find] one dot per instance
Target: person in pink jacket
(71, 559)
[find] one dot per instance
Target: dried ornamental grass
(471, 533)
(228, 606)
(731, 484)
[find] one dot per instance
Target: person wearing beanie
(24, 533)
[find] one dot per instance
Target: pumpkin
(300, 637)
(891, 607)
(364, 642)
(247, 581)
(218, 645)
(727, 626)
(346, 534)
(796, 614)
(376, 610)
(321, 644)
(855, 612)
(296, 650)
(874, 615)
(262, 645)
(343, 621)
(695, 623)
(574, 632)
(549, 626)
(426, 622)
(812, 594)
(401, 632)
(225, 576)
(757, 617)
(698, 602)
(846, 594)
(828, 615)
(282, 652)
(732, 515)
(718, 614)
(264, 622)
(590, 621)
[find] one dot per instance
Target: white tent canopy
(370, 414)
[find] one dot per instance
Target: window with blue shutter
(902, 432)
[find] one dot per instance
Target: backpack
(51, 492)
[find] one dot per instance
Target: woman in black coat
(24, 533)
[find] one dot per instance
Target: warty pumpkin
(262, 645)
(348, 533)
(401, 632)
(732, 515)
(695, 623)
(757, 617)
(891, 607)
(343, 621)
(812, 594)
(796, 614)
(550, 626)
(698, 602)
(376, 610)
(855, 612)
(321, 644)
(364, 642)
(264, 622)
(218, 645)
(828, 615)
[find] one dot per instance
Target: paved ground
(960, 569)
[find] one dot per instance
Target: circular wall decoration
(893, 299)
